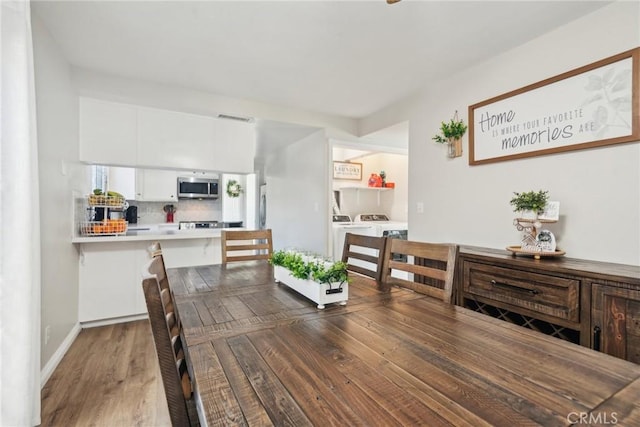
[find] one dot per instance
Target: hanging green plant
(234, 189)
(451, 133)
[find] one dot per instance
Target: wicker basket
(110, 227)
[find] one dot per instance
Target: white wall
(60, 176)
(233, 208)
(298, 209)
(599, 189)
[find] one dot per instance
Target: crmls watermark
(589, 418)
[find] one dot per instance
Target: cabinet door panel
(616, 311)
(108, 132)
(154, 185)
(172, 139)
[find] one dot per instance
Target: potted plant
(451, 133)
(530, 203)
(321, 281)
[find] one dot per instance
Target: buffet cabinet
(591, 303)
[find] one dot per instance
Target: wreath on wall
(234, 189)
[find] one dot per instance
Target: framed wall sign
(347, 170)
(591, 106)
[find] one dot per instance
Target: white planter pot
(316, 292)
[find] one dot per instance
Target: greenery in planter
(450, 131)
(316, 270)
(534, 201)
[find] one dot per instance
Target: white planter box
(317, 292)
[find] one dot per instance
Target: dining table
(261, 354)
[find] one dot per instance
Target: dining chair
(246, 245)
(364, 255)
(426, 268)
(154, 249)
(171, 354)
(157, 267)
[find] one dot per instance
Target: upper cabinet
(120, 134)
(153, 185)
(108, 132)
(177, 140)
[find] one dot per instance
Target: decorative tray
(517, 250)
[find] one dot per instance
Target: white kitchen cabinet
(108, 132)
(172, 139)
(235, 146)
(130, 135)
(110, 280)
(156, 185)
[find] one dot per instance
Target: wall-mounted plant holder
(451, 133)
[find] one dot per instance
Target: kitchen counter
(154, 232)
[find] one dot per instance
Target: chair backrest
(154, 249)
(364, 254)
(427, 268)
(171, 355)
(251, 245)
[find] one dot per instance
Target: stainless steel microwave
(197, 188)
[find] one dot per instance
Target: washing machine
(342, 225)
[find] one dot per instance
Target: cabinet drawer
(554, 296)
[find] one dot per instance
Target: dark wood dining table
(261, 354)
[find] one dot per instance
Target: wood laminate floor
(109, 377)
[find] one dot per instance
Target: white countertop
(142, 232)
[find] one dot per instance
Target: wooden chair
(257, 242)
(156, 266)
(154, 249)
(367, 252)
(427, 268)
(172, 359)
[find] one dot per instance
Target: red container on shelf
(375, 180)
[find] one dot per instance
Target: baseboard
(53, 362)
(114, 320)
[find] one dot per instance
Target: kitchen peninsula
(110, 267)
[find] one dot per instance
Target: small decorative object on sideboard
(534, 209)
(319, 280)
(451, 133)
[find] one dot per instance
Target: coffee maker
(132, 215)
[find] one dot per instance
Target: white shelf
(366, 188)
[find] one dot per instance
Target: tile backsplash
(186, 210)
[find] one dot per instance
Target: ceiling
(345, 58)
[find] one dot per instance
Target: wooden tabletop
(263, 355)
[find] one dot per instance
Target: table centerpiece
(321, 281)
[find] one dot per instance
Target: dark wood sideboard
(591, 303)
